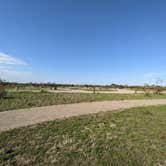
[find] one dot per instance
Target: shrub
(2, 93)
(147, 93)
(136, 90)
(43, 91)
(94, 90)
(158, 90)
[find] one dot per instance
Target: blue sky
(83, 41)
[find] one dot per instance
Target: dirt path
(24, 117)
(115, 91)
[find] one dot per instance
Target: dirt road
(118, 91)
(24, 117)
(114, 91)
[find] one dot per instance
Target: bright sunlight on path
(24, 117)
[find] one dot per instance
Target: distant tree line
(55, 85)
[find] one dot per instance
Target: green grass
(16, 100)
(135, 137)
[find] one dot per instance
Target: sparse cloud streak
(13, 69)
(12, 74)
(6, 59)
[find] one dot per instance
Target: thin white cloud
(13, 69)
(12, 74)
(10, 60)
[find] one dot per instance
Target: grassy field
(135, 137)
(15, 100)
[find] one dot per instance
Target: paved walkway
(24, 117)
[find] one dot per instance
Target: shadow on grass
(7, 98)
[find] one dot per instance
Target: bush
(147, 93)
(2, 93)
(158, 91)
(43, 91)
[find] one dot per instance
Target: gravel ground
(24, 117)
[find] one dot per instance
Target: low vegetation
(16, 100)
(2, 94)
(54, 86)
(135, 137)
